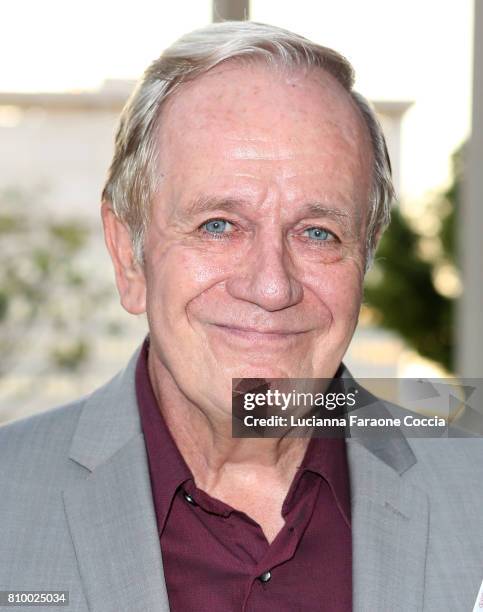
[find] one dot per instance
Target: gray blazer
(76, 513)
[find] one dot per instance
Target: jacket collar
(110, 418)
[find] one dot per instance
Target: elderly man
(248, 190)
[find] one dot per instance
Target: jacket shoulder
(36, 448)
(450, 451)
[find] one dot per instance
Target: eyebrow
(208, 204)
(321, 211)
(313, 209)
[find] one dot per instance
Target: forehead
(258, 122)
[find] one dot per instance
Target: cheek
(179, 276)
(339, 289)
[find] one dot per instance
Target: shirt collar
(167, 468)
(327, 457)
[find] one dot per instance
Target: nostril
(268, 285)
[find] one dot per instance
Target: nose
(266, 278)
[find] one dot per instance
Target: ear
(130, 279)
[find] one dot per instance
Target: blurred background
(67, 69)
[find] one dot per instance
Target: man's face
(254, 255)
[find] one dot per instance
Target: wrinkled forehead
(253, 97)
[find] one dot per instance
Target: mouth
(257, 335)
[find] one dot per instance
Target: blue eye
(317, 233)
(216, 226)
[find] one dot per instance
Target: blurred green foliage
(48, 294)
(401, 288)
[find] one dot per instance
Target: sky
(416, 50)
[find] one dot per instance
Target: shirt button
(189, 499)
(265, 577)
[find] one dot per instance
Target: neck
(204, 439)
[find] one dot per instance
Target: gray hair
(133, 175)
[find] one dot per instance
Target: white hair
(133, 175)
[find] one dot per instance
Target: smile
(257, 336)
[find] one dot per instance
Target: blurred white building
(63, 142)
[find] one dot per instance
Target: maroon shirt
(217, 559)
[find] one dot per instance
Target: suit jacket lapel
(390, 516)
(110, 513)
(389, 529)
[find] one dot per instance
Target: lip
(253, 333)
